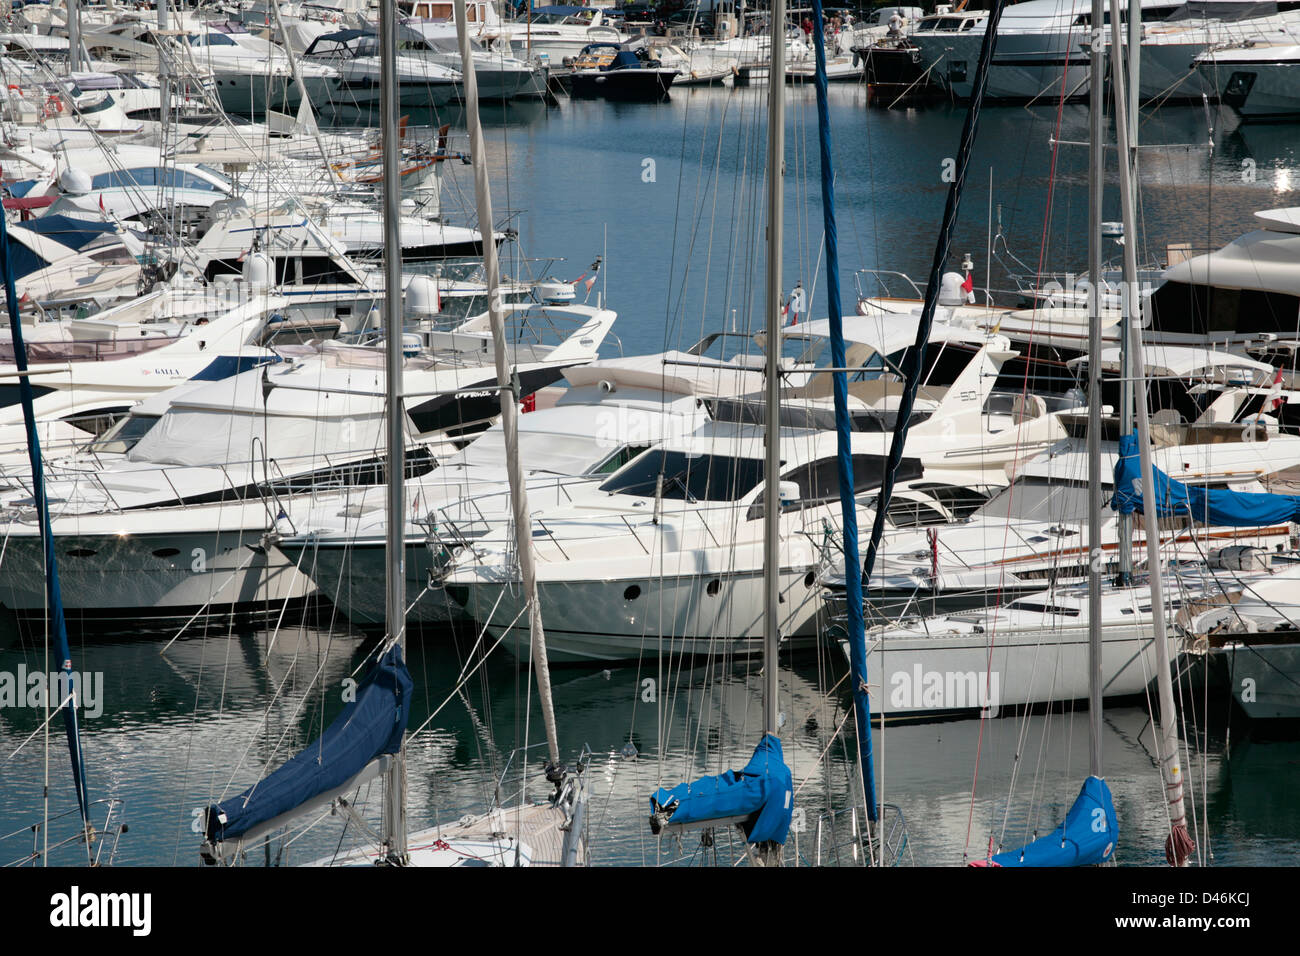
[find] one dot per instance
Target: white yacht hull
(1026, 66)
(158, 577)
(915, 675)
(1262, 678)
(1259, 90)
(672, 615)
(348, 573)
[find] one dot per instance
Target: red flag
(590, 282)
(969, 285)
(1276, 398)
(101, 202)
(530, 402)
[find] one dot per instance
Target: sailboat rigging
(56, 624)
(1178, 845)
(759, 798)
(1088, 834)
(368, 738)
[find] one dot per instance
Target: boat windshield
(1038, 499)
(123, 436)
(688, 477)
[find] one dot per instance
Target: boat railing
(105, 838)
(96, 350)
(563, 794)
(844, 838)
(881, 278)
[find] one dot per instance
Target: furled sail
(1216, 506)
(368, 727)
(762, 792)
(1086, 838)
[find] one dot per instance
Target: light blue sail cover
(1217, 506)
(369, 726)
(1087, 836)
(764, 787)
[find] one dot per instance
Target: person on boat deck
(807, 26)
(794, 304)
(896, 24)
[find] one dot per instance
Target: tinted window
(689, 478)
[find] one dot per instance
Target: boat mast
(506, 387)
(1096, 160)
(1179, 845)
(394, 817)
(855, 623)
(74, 35)
(772, 464)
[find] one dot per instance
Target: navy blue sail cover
(1218, 506)
(764, 787)
(1087, 836)
(369, 726)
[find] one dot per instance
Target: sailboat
(368, 737)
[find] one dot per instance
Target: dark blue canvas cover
(369, 726)
(73, 233)
(764, 787)
(1215, 506)
(624, 60)
(1087, 836)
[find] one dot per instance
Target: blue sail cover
(1087, 836)
(1216, 506)
(764, 787)
(369, 726)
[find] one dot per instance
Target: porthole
(713, 588)
(166, 552)
(809, 579)
(80, 552)
(632, 593)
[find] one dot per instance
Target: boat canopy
(1214, 506)
(893, 333)
(673, 372)
(1223, 10)
(762, 792)
(1187, 362)
(28, 254)
(1085, 838)
(368, 727)
(1262, 260)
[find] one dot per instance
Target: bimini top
(1187, 362)
(38, 243)
(1267, 260)
(672, 372)
(891, 333)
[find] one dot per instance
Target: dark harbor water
(182, 729)
(671, 196)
